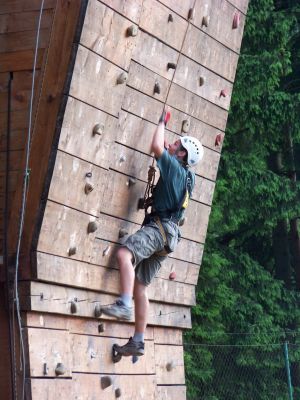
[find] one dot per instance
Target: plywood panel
(49, 389)
(240, 4)
(77, 133)
(210, 53)
(129, 8)
(169, 357)
(167, 336)
(20, 60)
(195, 226)
(57, 299)
(48, 347)
(155, 20)
(78, 274)
(17, 140)
(92, 71)
(26, 21)
(69, 180)
(188, 74)
(105, 32)
(220, 15)
(155, 55)
(203, 190)
(180, 7)
(9, 6)
(197, 107)
(15, 41)
(171, 392)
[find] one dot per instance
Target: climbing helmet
(194, 149)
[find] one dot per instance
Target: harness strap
(164, 252)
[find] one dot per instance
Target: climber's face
(172, 148)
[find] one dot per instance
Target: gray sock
(127, 299)
(138, 337)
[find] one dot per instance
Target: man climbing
(140, 257)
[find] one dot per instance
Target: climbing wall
(133, 57)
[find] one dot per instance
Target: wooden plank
(63, 30)
(203, 191)
(197, 107)
(10, 6)
(92, 354)
(164, 356)
(155, 55)
(208, 167)
(83, 326)
(180, 7)
(49, 389)
(210, 53)
(196, 222)
(20, 60)
(188, 74)
(18, 122)
(240, 4)
(69, 180)
(171, 392)
(220, 15)
(15, 158)
(26, 21)
(57, 299)
(15, 41)
(77, 133)
(167, 336)
(17, 140)
(144, 80)
(155, 20)
(105, 32)
(92, 71)
(48, 347)
(129, 8)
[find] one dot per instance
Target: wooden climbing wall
(73, 269)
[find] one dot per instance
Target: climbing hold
(131, 181)
(171, 66)
(182, 221)
(60, 369)
(98, 129)
(45, 369)
(205, 20)
(72, 251)
(106, 381)
(116, 356)
(135, 359)
(191, 14)
(101, 328)
(236, 20)
(141, 203)
(122, 159)
(118, 393)
(172, 276)
(41, 296)
(218, 139)
(185, 125)
(201, 81)
(156, 88)
(88, 188)
(132, 30)
(92, 226)
(170, 366)
(122, 78)
(73, 307)
(106, 251)
(97, 311)
(88, 174)
(170, 18)
(223, 93)
(122, 233)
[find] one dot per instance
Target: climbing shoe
(118, 310)
(131, 348)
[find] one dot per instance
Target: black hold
(191, 14)
(171, 66)
(88, 174)
(205, 21)
(73, 307)
(122, 232)
(170, 18)
(101, 328)
(92, 227)
(141, 203)
(116, 357)
(201, 81)
(72, 251)
(41, 296)
(157, 88)
(97, 311)
(118, 393)
(88, 188)
(45, 369)
(106, 381)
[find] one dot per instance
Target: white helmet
(194, 149)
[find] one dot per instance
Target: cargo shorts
(145, 243)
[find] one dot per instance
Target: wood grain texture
(15, 41)
(26, 21)
(180, 7)
(20, 60)
(129, 8)
(176, 392)
(10, 6)
(164, 355)
(104, 32)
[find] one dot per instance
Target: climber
(141, 255)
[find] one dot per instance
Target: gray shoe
(131, 348)
(118, 310)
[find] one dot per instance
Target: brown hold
(101, 328)
(170, 366)
(131, 181)
(218, 139)
(191, 14)
(92, 227)
(185, 125)
(201, 81)
(156, 88)
(223, 93)
(122, 78)
(72, 251)
(171, 66)
(73, 307)
(205, 20)
(170, 18)
(132, 30)
(97, 311)
(118, 393)
(98, 129)
(122, 233)
(88, 188)
(236, 20)
(106, 381)
(172, 276)
(60, 369)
